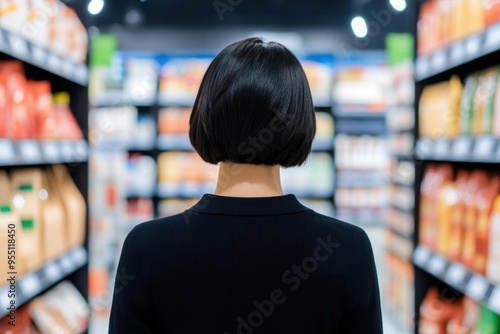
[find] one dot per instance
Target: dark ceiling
(153, 13)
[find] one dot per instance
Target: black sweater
(246, 265)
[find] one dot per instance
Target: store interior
(95, 100)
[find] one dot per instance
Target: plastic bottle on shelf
(493, 261)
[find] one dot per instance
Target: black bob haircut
(254, 106)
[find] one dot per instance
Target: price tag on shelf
(424, 148)
(494, 300)
(67, 151)
(53, 62)
(437, 265)
(51, 151)
(81, 73)
(39, 55)
(67, 67)
(4, 298)
(422, 66)
(82, 150)
(30, 152)
(53, 272)
(472, 45)
(66, 264)
(484, 147)
(456, 274)
(492, 41)
(30, 285)
(442, 148)
(439, 61)
(7, 153)
(79, 256)
(477, 288)
(18, 46)
(421, 255)
(461, 147)
(457, 53)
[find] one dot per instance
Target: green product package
(467, 104)
(489, 322)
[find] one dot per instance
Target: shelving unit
(64, 75)
(432, 269)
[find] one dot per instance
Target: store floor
(377, 237)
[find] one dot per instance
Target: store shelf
(459, 53)
(174, 142)
(322, 144)
(32, 284)
(178, 101)
(18, 47)
(184, 189)
(483, 149)
(140, 193)
(459, 277)
(308, 191)
(32, 152)
(119, 98)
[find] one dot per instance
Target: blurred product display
(43, 168)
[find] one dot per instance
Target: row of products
(176, 167)
(62, 310)
(140, 174)
(448, 109)
(47, 23)
(360, 197)
(398, 293)
(401, 143)
(442, 22)
(444, 312)
(360, 152)
(460, 216)
(44, 212)
(29, 110)
(175, 121)
(402, 197)
(121, 126)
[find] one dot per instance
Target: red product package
(42, 105)
(492, 11)
(5, 114)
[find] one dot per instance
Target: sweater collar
(248, 206)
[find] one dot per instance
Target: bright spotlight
(359, 27)
(398, 5)
(95, 6)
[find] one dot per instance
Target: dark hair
(254, 106)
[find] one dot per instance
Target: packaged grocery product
(493, 260)
(5, 112)
(439, 114)
(42, 104)
(174, 120)
(489, 322)
(465, 317)
(12, 13)
(27, 186)
(475, 19)
(434, 178)
(457, 216)
(492, 11)
(73, 203)
(496, 113)
(478, 180)
(23, 323)
(61, 124)
(467, 104)
(54, 220)
(447, 199)
(435, 313)
(9, 228)
(483, 101)
(484, 205)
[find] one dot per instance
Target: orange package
(435, 313)
(457, 217)
(42, 104)
(492, 11)
(5, 113)
(493, 258)
(478, 180)
(447, 201)
(484, 204)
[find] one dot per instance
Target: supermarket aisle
(377, 238)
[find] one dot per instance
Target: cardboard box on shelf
(73, 202)
(27, 184)
(54, 220)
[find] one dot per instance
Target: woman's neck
(245, 180)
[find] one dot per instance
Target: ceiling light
(359, 27)
(398, 5)
(95, 6)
